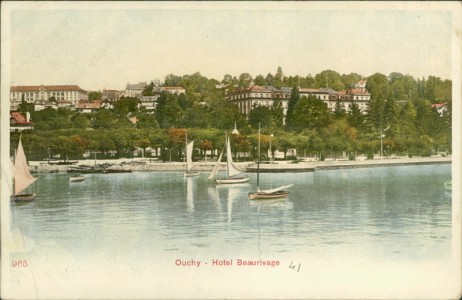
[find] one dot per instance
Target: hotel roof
(36, 88)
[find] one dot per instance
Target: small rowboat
(76, 178)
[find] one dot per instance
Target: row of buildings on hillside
(248, 97)
(74, 97)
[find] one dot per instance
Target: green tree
(175, 142)
(376, 113)
(260, 80)
(293, 101)
(245, 80)
(355, 117)
(224, 114)
(126, 106)
(350, 79)
(390, 116)
(50, 118)
(104, 119)
(168, 112)
(309, 82)
(196, 117)
(172, 80)
(101, 140)
(283, 141)
(339, 136)
(146, 121)
(377, 85)
(339, 112)
(62, 145)
(228, 79)
(278, 78)
(25, 107)
(148, 89)
(261, 115)
(95, 95)
(205, 145)
(79, 145)
(183, 102)
(269, 79)
(80, 121)
(277, 111)
(329, 79)
(310, 113)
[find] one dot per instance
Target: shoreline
(305, 165)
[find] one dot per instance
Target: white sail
(189, 151)
(275, 189)
(217, 165)
(232, 169)
(22, 176)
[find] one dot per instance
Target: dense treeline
(400, 111)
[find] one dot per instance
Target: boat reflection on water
(234, 193)
(278, 203)
(189, 193)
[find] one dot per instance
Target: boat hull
(267, 196)
(110, 171)
(191, 174)
(86, 170)
(76, 179)
(24, 197)
(233, 180)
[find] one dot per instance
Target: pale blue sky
(104, 47)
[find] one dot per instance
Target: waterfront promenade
(303, 165)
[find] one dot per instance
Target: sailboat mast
(186, 148)
(258, 161)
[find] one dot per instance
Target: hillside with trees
(400, 111)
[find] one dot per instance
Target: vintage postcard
(230, 150)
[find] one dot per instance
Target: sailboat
(260, 194)
(22, 176)
(230, 167)
(189, 163)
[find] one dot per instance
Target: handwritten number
(292, 266)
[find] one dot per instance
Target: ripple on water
(376, 208)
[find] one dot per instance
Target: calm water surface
(398, 213)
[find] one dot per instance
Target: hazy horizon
(105, 46)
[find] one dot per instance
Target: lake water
(144, 221)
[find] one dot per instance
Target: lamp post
(381, 140)
(381, 143)
(271, 152)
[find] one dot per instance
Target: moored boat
(22, 176)
(189, 163)
(231, 169)
(84, 169)
(276, 193)
(263, 195)
(76, 178)
(117, 169)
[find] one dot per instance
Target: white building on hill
(41, 95)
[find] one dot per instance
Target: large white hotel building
(40, 95)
